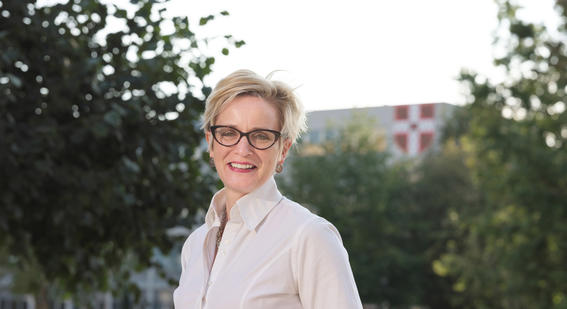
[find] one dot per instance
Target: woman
(258, 249)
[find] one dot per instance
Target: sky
(344, 54)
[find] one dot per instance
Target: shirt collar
(251, 208)
(212, 218)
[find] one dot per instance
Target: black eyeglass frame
(247, 134)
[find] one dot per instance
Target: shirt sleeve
(185, 252)
(323, 273)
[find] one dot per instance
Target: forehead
(249, 112)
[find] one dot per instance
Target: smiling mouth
(242, 166)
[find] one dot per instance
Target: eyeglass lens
(259, 138)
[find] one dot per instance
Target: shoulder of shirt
(199, 232)
(297, 210)
(310, 224)
(314, 239)
(318, 229)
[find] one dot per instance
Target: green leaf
(204, 20)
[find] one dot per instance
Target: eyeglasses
(260, 139)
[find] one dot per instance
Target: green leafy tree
(514, 245)
(99, 136)
(440, 190)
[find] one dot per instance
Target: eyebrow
(253, 129)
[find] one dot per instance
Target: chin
(244, 186)
(247, 187)
(241, 186)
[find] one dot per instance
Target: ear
(208, 138)
(285, 150)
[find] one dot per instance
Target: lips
(241, 166)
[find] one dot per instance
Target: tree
(513, 249)
(392, 215)
(441, 189)
(99, 136)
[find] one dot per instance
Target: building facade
(408, 130)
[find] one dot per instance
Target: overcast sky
(343, 54)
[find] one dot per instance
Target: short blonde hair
(246, 82)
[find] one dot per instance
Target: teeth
(242, 166)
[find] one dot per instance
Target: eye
(263, 136)
(227, 132)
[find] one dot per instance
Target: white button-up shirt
(274, 253)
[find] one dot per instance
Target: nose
(243, 147)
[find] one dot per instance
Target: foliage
(513, 249)
(391, 215)
(99, 136)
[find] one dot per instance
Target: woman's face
(243, 168)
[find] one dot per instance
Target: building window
(401, 139)
(426, 111)
(401, 112)
(425, 140)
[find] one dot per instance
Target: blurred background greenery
(101, 158)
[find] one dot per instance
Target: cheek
(274, 157)
(217, 152)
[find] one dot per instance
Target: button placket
(230, 231)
